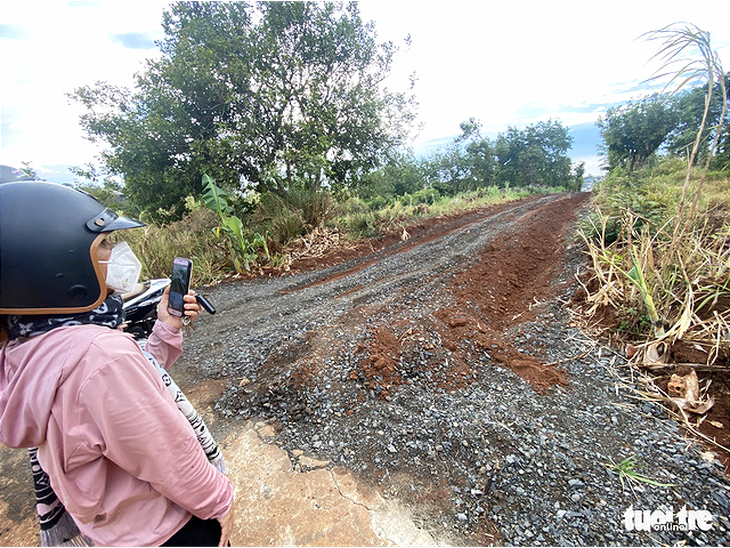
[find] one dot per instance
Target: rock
(267, 432)
(278, 506)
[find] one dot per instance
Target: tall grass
(663, 289)
(191, 237)
(285, 217)
(358, 221)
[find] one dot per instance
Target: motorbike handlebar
(205, 303)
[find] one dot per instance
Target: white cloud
(592, 164)
(489, 59)
(66, 45)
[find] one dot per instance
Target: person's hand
(226, 521)
(192, 309)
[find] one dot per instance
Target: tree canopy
(534, 156)
(634, 131)
(690, 107)
(271, 95)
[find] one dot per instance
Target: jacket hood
(30, 373)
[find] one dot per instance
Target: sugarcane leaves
(636, 275)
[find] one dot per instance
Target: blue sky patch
(12, 33)
(134, 40)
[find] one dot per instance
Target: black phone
(182, 270)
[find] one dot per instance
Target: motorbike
(140, 306)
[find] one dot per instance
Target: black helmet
(48, 239)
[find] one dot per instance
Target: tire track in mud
(439, 230)
(314, 352)
(492, 296)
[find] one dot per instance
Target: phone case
(179, 285)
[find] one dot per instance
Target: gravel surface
(460, 385)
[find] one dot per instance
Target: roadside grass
(358, 221)
(628, 472)
(193, 236)
(661, 289)
(653, 195)
(660, 284)
(283, 223)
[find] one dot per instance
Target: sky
(505, 64)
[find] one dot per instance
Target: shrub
(191, 237)
(290, 215)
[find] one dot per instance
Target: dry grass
(191, 237)
(666, 292)
(682, 293)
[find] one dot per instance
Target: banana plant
(246, 250)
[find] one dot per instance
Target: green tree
(635, 131)
(401, 174)
(102, 187)
(479, 155)
(690, 107)
(536, 155)
(579, 171)
(508, 149)
(481, 162)
(554, 141)
(465, 164)
(722, 156)
(273, 96)
(448, 170)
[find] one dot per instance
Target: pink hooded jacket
(121, 457)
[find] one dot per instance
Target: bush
(192, 237)
(288, 216)
(379, 202)
(362, 225)
(286, 225)
(427, 196)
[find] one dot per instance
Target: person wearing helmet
(121, 458)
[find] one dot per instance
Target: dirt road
(432, 388)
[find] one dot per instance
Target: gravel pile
(471, 447)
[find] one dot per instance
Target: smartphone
(182, 270)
